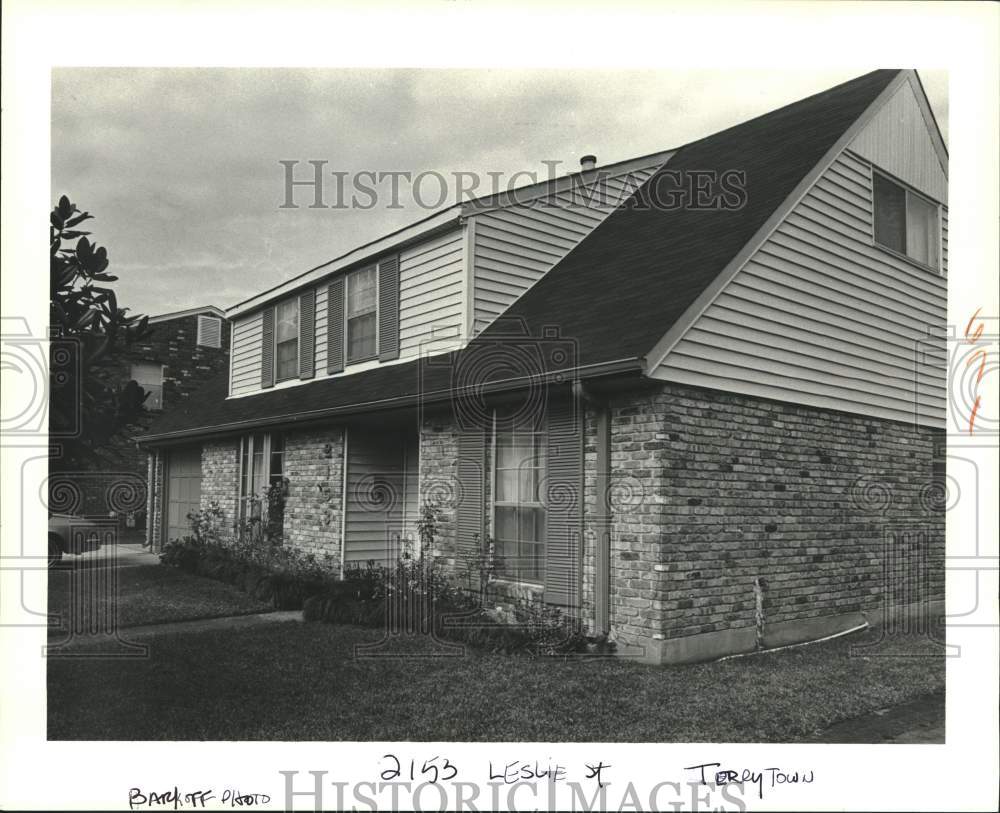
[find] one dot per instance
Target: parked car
(71, 534)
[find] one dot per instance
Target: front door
(381, 515)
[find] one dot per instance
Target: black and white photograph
(463, 434)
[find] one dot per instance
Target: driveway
(124, 586)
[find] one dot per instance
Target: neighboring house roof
(638, 276)
(166, 317)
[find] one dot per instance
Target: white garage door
(183, 490)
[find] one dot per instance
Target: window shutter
(267, 349)
(470, 510)
(335, 326)
(307, 334)
(388, 309)
(563, 512)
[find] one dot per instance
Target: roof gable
(902, 138)
(637, 274)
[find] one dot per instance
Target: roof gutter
(608, 368)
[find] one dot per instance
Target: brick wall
(714, 496)
(438, 476)
(220, 471)
(733, 489)
(314, 466)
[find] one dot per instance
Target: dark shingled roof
(616, 293)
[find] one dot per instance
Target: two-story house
(694, 415)
(180, 352)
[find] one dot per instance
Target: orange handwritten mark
(973, 339)
(982, 365)
(972, 417)
(968, 327)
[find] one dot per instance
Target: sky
(180, 167)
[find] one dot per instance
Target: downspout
(602, 523)
(150, 485)
(602, 511)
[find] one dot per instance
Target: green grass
(146, 594)
(302, 682)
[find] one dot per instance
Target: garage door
(183, 490)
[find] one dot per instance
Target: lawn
(302, 682)
(146, 594)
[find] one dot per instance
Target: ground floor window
(262, 477)
(518, 509)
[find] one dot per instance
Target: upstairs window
(209, 331)
(362, 319)
(149, 376)
(906, 223)
(286, 339)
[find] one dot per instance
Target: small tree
(88, 406)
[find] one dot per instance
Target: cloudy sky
(181, 166)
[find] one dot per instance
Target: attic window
(906, 223)
(209, 331)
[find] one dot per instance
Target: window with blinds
(519, 510)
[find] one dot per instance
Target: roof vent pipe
(588, 162)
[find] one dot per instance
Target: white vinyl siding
(244, 364)
(821, 316)
(431, 295)
(515, 246)
(898, 141)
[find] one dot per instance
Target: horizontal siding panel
(792, 345)
(245, 359)
(550, 219)
(821, 316)
(515, 246)
(780, 303)
(823, 283)
(729, 355)
(796, 362)
(791, 392)
(854, 338)
(843, 394)
(880, 273)
(432, 291)
(858, 248)
(534, 245)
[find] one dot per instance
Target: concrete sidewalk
(918, 721)
(122, 554)
(228, 622)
